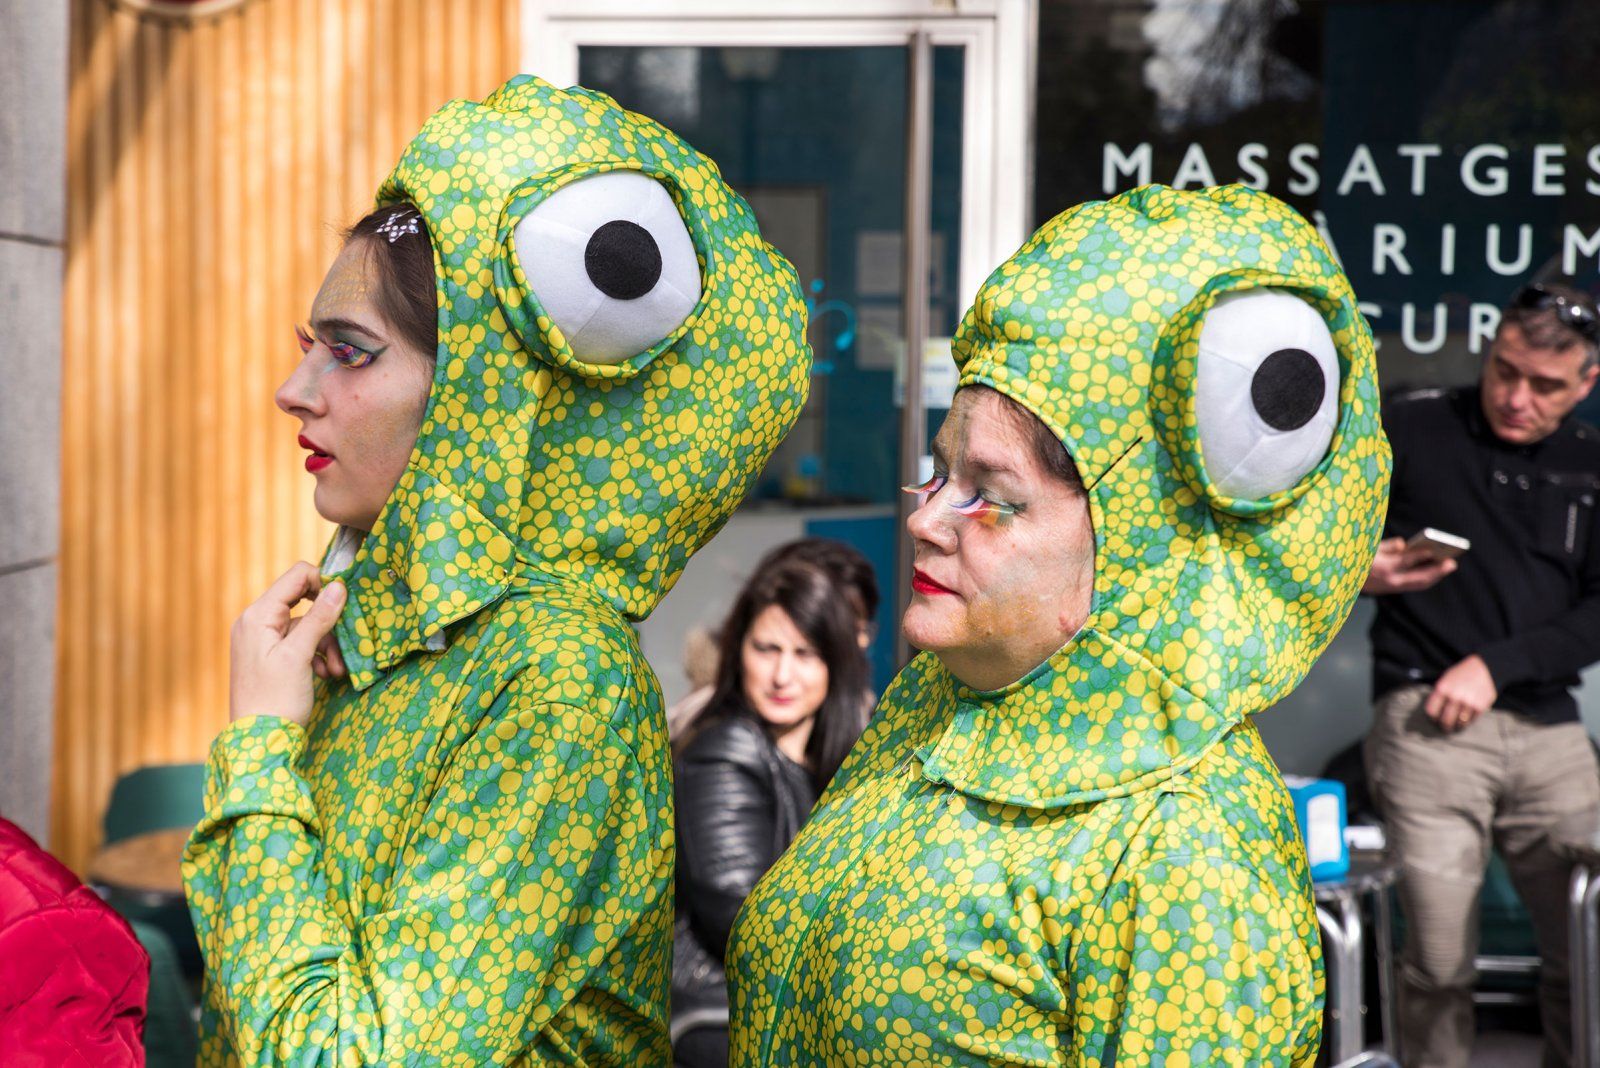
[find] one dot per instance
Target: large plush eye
(610, 261)
(1267, 398)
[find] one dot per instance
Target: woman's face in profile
(360, 393)
(1003, 551)
(785, 678)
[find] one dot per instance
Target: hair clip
(394, 229)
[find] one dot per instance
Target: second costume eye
(1267, 396)
(611, 263)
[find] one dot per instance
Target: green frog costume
(1099, 864)
(466, 857)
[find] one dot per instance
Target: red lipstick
(318, 459)
(921, 583)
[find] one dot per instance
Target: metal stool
(1343, 936)
(1578, 840)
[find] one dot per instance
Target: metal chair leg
(1341, 940)
(1590, 966)
(1580, 967)
(1383, 916)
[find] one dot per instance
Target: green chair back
(1504, 926)
(155, 798)
(170, 1036)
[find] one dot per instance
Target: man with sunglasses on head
(1476, 739)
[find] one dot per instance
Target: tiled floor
(1509, 1038)
(1506, 1049)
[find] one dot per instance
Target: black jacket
(740, 802)
(1527, 596)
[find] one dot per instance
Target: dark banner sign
(1448, 151)
(1466, 247)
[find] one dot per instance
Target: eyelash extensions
(989, 513)
(923, 490)
(344, 352)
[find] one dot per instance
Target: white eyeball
(610, 261)
(1267, 399)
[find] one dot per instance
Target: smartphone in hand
(1428, 545)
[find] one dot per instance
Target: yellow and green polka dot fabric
(466, 857)
(1099, 864)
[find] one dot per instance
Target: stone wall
(33, 144)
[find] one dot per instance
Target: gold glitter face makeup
(346, 291)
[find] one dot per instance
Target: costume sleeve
(1561, 646)
(539, 852)
(1194, 960)
(726, 826)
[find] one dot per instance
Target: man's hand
(1394, 570)
(272, 652)
(1462, 694)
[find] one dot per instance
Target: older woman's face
(993, 601)
(360, 393)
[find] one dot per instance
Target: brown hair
(401, 255)
(1049, 450)
(850, 570)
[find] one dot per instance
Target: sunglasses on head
(1580, 315)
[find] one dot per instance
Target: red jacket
(73, 978)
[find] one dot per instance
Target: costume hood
(619, 352)
(1201, 356)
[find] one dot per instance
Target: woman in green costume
(456, 847)
(1061, 841)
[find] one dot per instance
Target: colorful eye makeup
(345, 353)
(989, 513)
(922, 491)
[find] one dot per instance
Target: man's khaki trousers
(1445, 797)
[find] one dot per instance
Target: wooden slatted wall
(211, 164)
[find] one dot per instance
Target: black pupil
(622, 260)
(1288, 389)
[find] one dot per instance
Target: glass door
(815, 140)
(810, 120)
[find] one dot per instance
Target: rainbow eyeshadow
(988, 513)
(350, 356)
(345, 353)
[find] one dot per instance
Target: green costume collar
(1036, 744)
(395, 609)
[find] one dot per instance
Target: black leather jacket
(740, 802)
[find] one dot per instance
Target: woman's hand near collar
(273, 654)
